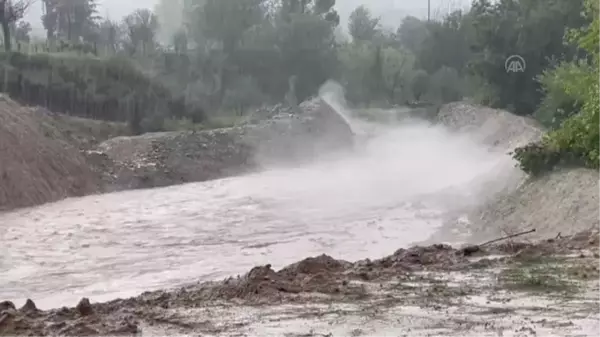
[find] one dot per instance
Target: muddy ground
(508, 288)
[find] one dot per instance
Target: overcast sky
(391, 11)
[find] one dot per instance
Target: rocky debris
(437, 256)
(286, 137)
(42, 148)
(404, 261)
(163, 159)
(275, 135)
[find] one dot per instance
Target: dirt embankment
(46, 157)
(38, 162)
(563, 202)
(278, 136)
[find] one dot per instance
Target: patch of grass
(547, 275)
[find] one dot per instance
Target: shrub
(576, 141)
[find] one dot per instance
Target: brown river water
(389, 194)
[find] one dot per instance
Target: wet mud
(473, 290)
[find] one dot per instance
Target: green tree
(412, 34)
(75, 19)
(577, 140)
(225, 21)
(22, 31)
(532, 29)
(110, 36)
(362, 26)
(141, 27)
(11, 12)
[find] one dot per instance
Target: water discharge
(391, 192)
(333, 93)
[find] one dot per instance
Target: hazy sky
(391, 11)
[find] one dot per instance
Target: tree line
(250, 49)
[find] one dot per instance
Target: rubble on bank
(274, 135)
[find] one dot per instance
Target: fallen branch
(469, 250)
(507, 237)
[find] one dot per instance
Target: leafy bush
(576, 141)
(558, 103)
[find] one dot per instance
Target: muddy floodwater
(385, 197)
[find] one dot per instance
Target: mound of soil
(563, 202)
(37, 164)
(498, 128)
(321, 275)
(168, 158)
(279, 135)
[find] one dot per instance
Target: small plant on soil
(549, 275)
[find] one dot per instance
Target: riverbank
(512, 288)
(51, 157)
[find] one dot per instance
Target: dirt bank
(296, 300)
(38, 163)
(47, 157)
(562, 202)
(277, 136)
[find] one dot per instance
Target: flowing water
(392, 192)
